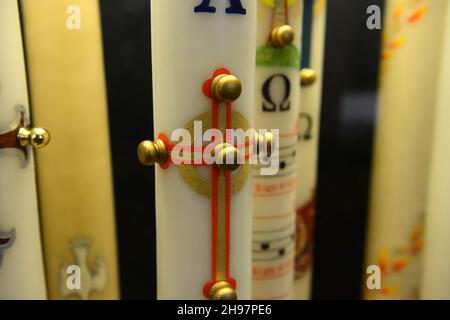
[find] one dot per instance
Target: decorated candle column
(203, 78)
(412, 44)
(276, 107)
(313, 43)
(436, 256)
(65, 66)
(21, 262)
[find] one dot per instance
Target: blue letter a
(234, 8)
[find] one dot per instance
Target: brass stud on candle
(222, 290)
(307, 77)
(151, 152)
(224, 151)
(282, 36)
(36, 137)
(226, 88)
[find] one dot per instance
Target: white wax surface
(187, 48)
(407, 98)
(21, 270)
(311, 98)
(274, 197)
(436, 258)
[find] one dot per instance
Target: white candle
(191, 39)
(309, 120)
(436, 258)
(65, 65)
(277, 107)
(407, 98)
(21, 263)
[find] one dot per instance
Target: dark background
(345, 150)
(126, 40)
(348, 111)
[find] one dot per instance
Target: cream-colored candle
(436, 256)
(65, 65)
(412, 46)
(276, 107)
(201, 244)
(309, 119)
(21, 263)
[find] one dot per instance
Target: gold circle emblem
(189, 172)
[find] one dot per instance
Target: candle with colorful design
(412, 44)
(313, 45)
(203, 78)
(436, 269)
(277, 106)
(65, 65)
(21, 261)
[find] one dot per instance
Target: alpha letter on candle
(234, 8)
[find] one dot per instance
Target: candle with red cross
(203, 74)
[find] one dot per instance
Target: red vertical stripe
(227, 199)
(214, 209)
